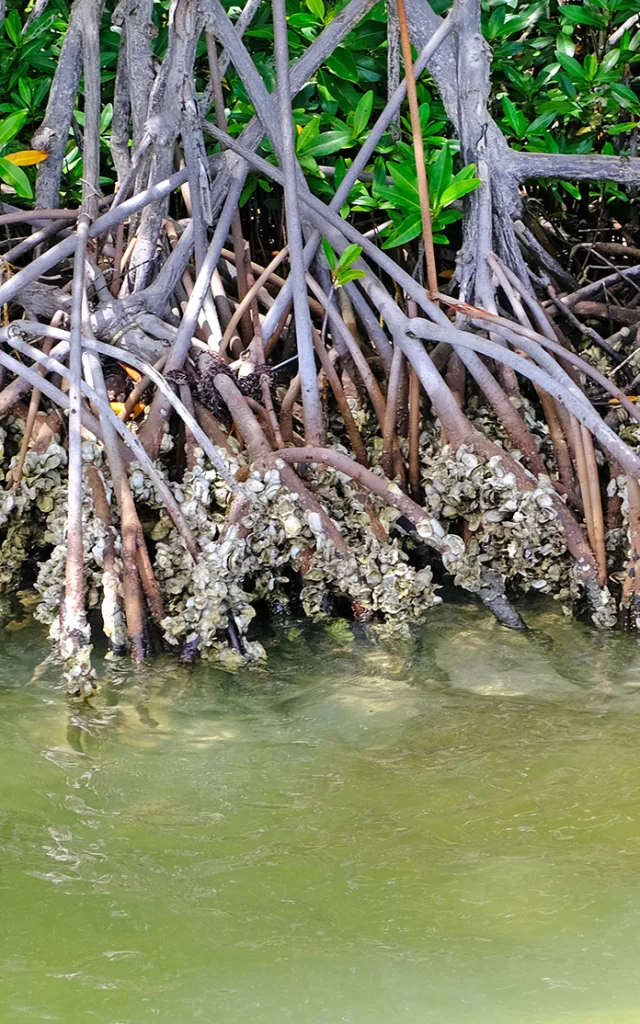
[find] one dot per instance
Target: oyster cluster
(206, 601)
(377, 576)
(53, 534)
(24, 509)
(274, 547)
(514, 532)
(277, 538)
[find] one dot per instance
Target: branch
(27, 327)
(571, 398)
(53, 133)
(153, 426)
(577, 166)
(165, 493)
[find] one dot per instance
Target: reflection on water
(446, 830)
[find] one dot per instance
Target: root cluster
(209, 439)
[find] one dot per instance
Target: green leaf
(328, 101)
(590, 65)
(571, 66)
(541, 122)
(446, 217)
(514, 117)
(609, 61)
(15, 176)
(106, 117)
(362, 113)
(440, 176)
(307, 135)
(11, 126)
(316, 7)
(406, 231)
(547, 73)
(309, 164)
(568, 88)
(344, 276)
(329, 142)
(458, 189)
(565, 44)
(399, 198)
(350, 255)
(379, 174)
(329, 254)
(581, 15)
(301, 21)
(13, 27)
(424, 110)
(343, 64)
(340, 171)
(496, 23)
(620, 129)
(572, 189)
(518, 22)
(404, 176)
(625, 96)
(24, 88)
(368, 37)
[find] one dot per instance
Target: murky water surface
(442, 831)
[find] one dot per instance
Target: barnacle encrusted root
(477, 526)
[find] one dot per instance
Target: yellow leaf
(138, 409)
(584, 130)
(131, 372)
(26, 157)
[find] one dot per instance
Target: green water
(445, 831)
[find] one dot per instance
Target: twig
(359, 449)
(246, 301)
(389, 432)
(599, 547)
(130, 439)
(544, 258)
(236, 224)
(139, 389)
(311, 402)
(418, 150)
(339, 329)
(34, 405)
(573, 399)
(129, 522)
(616, 36)
(152, 429)
(588, 290)
(586, 331)
(364, 156)
(151, 372)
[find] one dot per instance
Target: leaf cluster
(565, 78)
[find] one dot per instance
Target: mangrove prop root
(232, 369)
